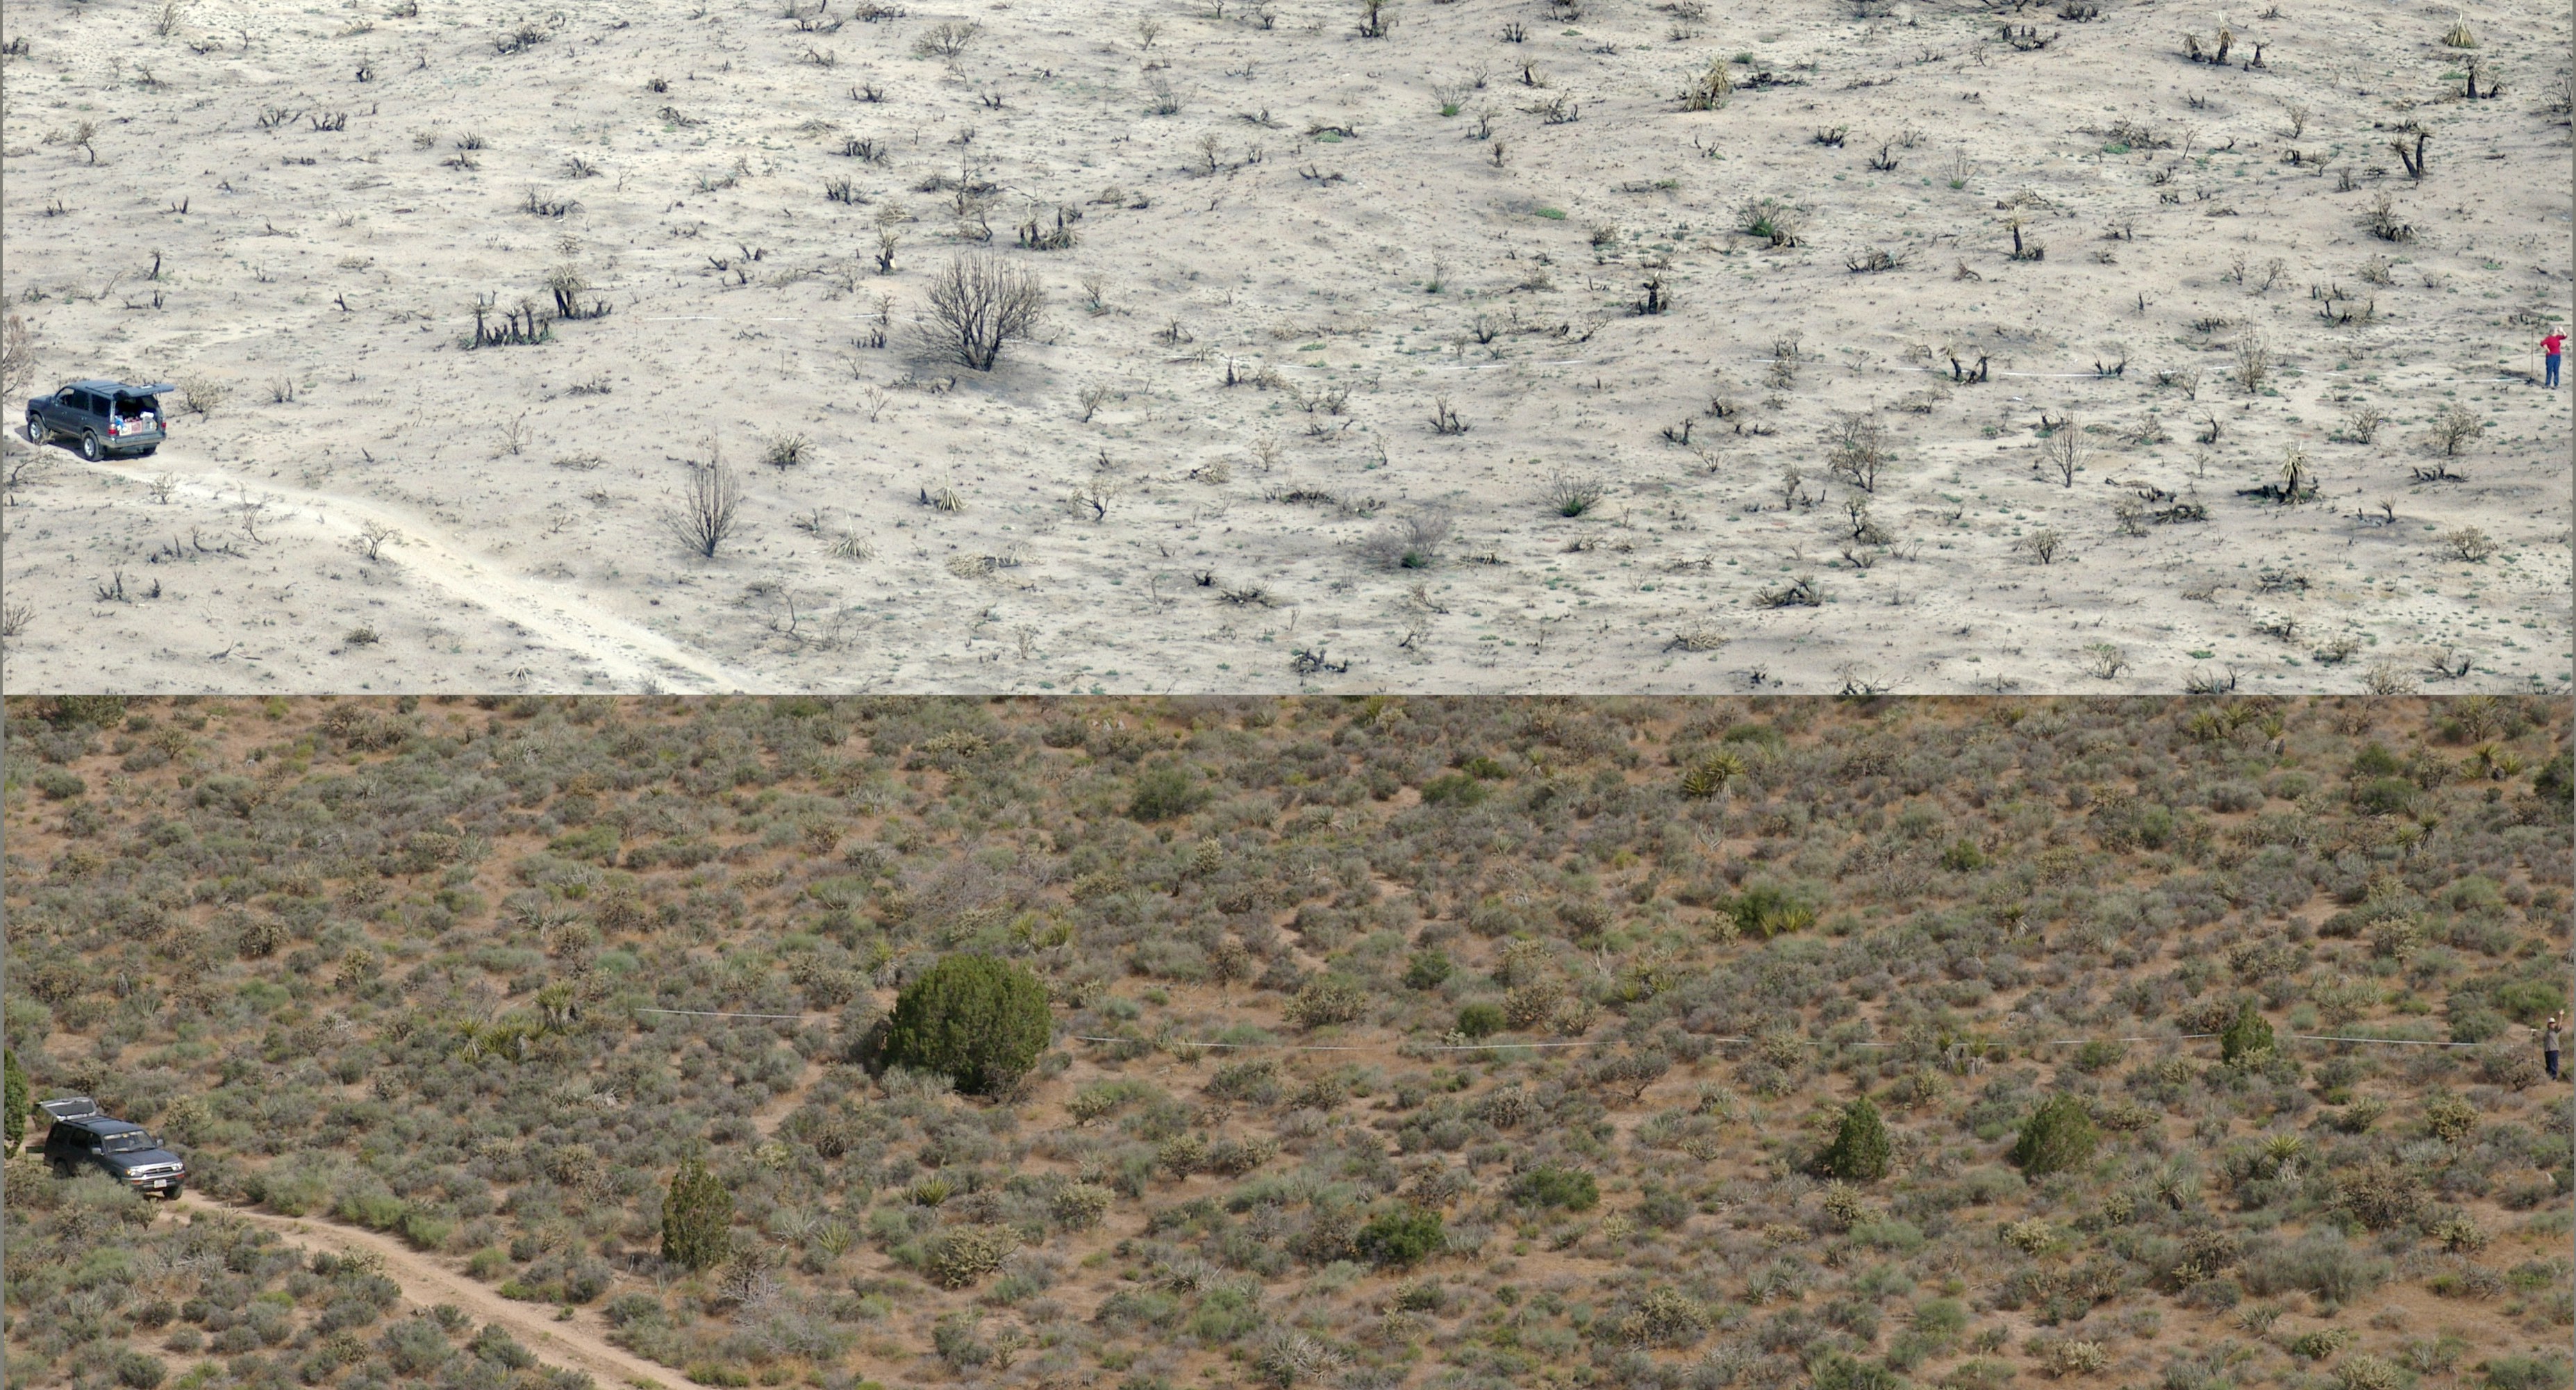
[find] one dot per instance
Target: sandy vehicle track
(576, 1345)
(631, 654)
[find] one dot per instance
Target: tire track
(631, 653)
(425, 1283)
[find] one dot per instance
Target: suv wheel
(89, 447)
(36, 431)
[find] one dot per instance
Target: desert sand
(1423, 259)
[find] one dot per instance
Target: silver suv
(106, 417)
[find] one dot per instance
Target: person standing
(2549, 347)
(2549, 1047)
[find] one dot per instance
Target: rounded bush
(1550, 1185)
(1860, 1149)
(1163, 793)
(1402, 1238)
(2058, 1135)
(978, 1020)
(1480, 1020)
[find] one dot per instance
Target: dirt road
(579, 1345)
(631, 653)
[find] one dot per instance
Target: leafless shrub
(1412, 542)
(1709, 90)
(2064, 451)
(1858, 450)
(2253, 364)
(785, 451)
(1800, 592)
(705, 513)
(2468, 543)
(2043, 545)
(1567, 495)
(978, 303)
(2454, 428)
(202, 394)
(2362, 424)
(946, 40)
(17, 356)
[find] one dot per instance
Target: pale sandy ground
(547, 568)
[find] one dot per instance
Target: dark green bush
(1428, 969)
(1860, 1150)
(2059, 1135)
(1481, 1019)
(1550, 1185)
(2247, 1040)
(2384, 796)
(1165, 792)
(1401, 1238)
(60, 785)
(138, 1370)
(1454, 789)
(978, 1020)
(697, 1217)
(1764, 911)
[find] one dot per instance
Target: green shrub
(1324, 1001)
(960, 1255)
(1428, 969)
(1763, 911)
(697, 1217)
(2246, 1042)
(60, 785)
(14, 1108)
(1860, 1149)
(978, 1020)
(2384, 796)
(139, 1371)
(1454, 789)
(2525, 1373)
(1165, 792)
(1401, 1238)
(1551, 1185)
(2059, 1135)
(1482, 1019)
(1842, 1371)
(1963, 857)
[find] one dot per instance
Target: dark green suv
(82, 1137)
(103, 417)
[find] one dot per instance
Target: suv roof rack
(72, 1108)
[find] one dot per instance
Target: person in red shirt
(2550, 345)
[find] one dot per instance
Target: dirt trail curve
(576, 1345)
(631, 653)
